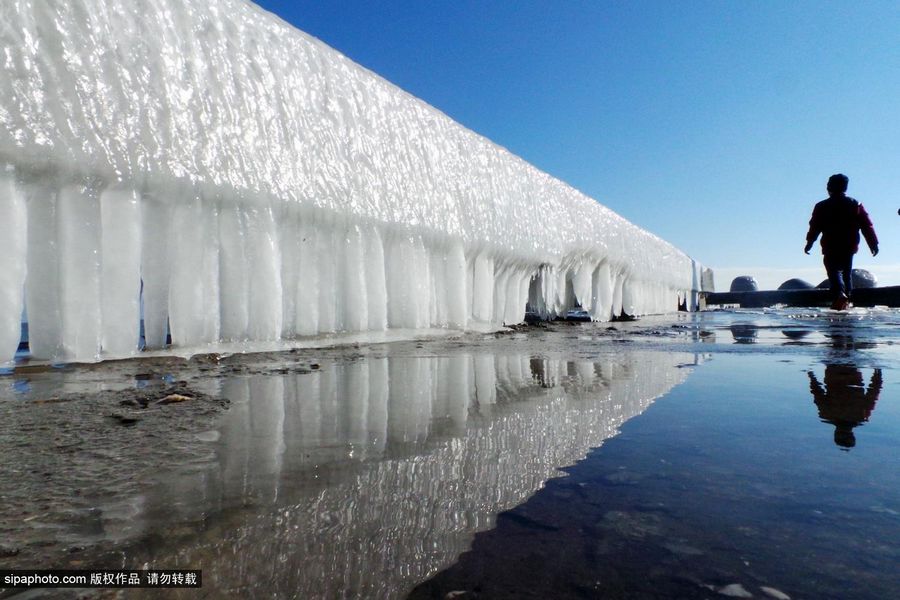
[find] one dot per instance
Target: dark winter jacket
(840, 219)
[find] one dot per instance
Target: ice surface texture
(236, 179)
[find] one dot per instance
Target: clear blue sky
(713, 124)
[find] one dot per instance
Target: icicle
(289, 256)
(437, 267)
(376, 291)
(455, 278)
(78, 219)
(194, 281)
(327, 246)
(422, 285)
(120, 215)
(516, 297)
(628, 297)
(307, 318)
(265, 306)
(581, 283)
(12, 263)
(353, 292)
(483, 289)
(155, 269)
(618, 281)
(234, 279)
(501, 284)
(602, 309)
(403, 287)
(42, 285)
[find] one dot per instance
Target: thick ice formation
(236, 179)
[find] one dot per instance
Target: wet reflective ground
(757, 455)
(769, 473)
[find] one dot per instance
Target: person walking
(840, 219)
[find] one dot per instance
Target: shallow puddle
(355, 475)
(741, 482)
(747, 463)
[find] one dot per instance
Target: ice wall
(240, 180)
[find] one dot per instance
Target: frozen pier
(229, 178)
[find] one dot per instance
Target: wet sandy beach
(719, 454)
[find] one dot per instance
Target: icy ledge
(243, 181)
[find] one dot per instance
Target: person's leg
(835, 276)
(847, 272)
(839, 278)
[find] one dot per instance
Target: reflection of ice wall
(256, 184)
(368, 477)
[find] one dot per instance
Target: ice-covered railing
(231, 178)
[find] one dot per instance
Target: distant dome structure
(863, 279)
(860, 278)
(744, 283)
(795, 284)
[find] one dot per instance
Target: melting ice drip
(232, 178)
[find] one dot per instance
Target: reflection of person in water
(844, 400)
